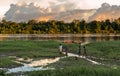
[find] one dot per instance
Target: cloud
(62, 0)
(106, 11)
(23, 12)
(63, 7)
(59, 10)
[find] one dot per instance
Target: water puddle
(33, 65)
(24, 68)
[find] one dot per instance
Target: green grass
(109, 50)
(27, 49)
(106, 49)
(70, 62)
(69, 66)
(2, 73)
(78, 71)
(6, 62)
(33, 49)
(43, 49)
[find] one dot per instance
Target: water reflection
(61, 37)
(24, 68)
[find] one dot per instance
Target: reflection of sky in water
(23, 69)
(62, 37)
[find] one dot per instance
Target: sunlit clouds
(24, 10)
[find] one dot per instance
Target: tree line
(60, 27)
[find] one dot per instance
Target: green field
(78, 71)
(7, 62)
(107, 52)
(28, 49)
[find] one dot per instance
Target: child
(84, 51)
(60, 49)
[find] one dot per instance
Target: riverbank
(29, 64)
(45, 53)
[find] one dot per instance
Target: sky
(81, 4)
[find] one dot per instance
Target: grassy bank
(70, 62)
(106, 49)
(8, 63)
(107, 52)
(78, 71)
(46, 49)
(29, 48)
(70, 66)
